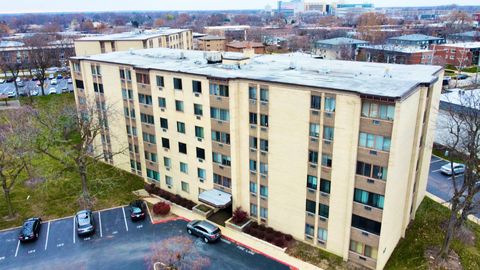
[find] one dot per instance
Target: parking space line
(48, 232)
(18, 246)
(74, 230)
(458, 175)
(125, 218)
(148, 210)
(100, 222)
(435, 161)
(437, 170)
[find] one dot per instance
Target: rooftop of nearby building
(385, 80)
(462, 98)
(10, 43)
(228, 27)
(466, 45)
(341, 41)
(211, 37)
(134, 35)
(395, 48)
(245, 44)
(415, 37)
(468, 34)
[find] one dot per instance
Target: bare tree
(460, 124)
(17, 133)
(177, 253)
(77, 134)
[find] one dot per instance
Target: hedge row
(268, 234)
(176, 199)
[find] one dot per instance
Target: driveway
(118, 243)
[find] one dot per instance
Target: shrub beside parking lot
(161, 208)
(268, 234)
(176, 199)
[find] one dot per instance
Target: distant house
(240, 46)
(211, 43)
(469, 36)
(459, 54)
(415, 40)
(394, 54)
(338, 48)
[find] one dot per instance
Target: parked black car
(85, 222)
(137, 210)
(30, 229)
(208, 231)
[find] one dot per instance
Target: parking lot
(118, 243)
(30, 85)
(440, 184)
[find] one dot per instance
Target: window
(364, 169)
(326, 160)
(253, 142)
(221, 137)
(154, 175)
(217, 179)
(253, 118)
(182, 148)
(379, 172)
(264, 120)
(165, 143)
(219, 90)
(168, 180)
(252, 92)
(371, 199)
(363, 249)
(323, 210)
(96, 70)
(198, 109)
(263, 212)
(184, 167)
(167, 162)
(197, 86)
(162, 103)
(151, 156)
(149, 138)
(145, 99)
(134, 131)
(201, 173)
(164, 123)
(253, 187)
(221, 159)
(179, 105)
(98, 88)
(311, 206)
(76, 67)
(329, 104)
(79, 84)
(322, 234)
(253, 210)
(253, 165)
(263, 168)
(374, 141)
(325, 186)
(264, 145)
(147, 119)
(314, 130)
(160, 81)
(177, 84)
(127, 94)
(181, 127)
(185, 187)
(143, 78)
(313, 157)
(375, 110)
(366, 224)
(263, 191)
(223, 181)
(264, 94)
(199, 132)
(311, 181)
(200, 153)
(328, 133)
(309, 230)
(315, 102)
(220, 114)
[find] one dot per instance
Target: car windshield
(27, 227)
(136, 210)
(83, 219)
(216, 231)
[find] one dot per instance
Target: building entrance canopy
(216, 198)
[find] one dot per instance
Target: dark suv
(85, 222)
(30, 229)
(137, 210)
(205, 229)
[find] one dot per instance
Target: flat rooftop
(466, 45)
(396, 48)
(134, 35)
(378, 79)
(341, 41)
(415, 37)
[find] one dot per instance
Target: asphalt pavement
(118, 243)
(32, 85)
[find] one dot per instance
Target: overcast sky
(23, 6)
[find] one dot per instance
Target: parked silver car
(85, 222)
(457, 168)
(208, 231)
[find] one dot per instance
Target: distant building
(415, 40)
(394, 54)
(240, 46)
(16, 51)
(326, 7)
(338, 48)
(466, 36)
(231, 32)
(142, 39)
(459, 54)
(343, 10)
(211, 43)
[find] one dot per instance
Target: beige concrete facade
(328, 213)
(211, 43)
(179, 39)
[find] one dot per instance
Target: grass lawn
(315, 256)
(425, 231)
(57, 196)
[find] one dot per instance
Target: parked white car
(52, 90)
(457, 168)
(54, 82)
(51, 76)
(11, 93)
(34, 92)
(2, 81)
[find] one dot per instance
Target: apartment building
(394, 54)
(141, 39)
(335, 153)
(211, 43)
(462, 54)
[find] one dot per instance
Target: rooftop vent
(387, 73)
(292, 65)
(214, 58)
(182, 55)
